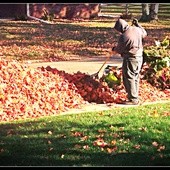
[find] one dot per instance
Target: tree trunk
(127, 9)
(145, 13)
(149, 12)
(153, 13)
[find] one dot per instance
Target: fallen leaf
(155, 144)
(49, 132)
(136, 146)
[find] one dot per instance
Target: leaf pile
(26, 92)
(98, 91)
(92, 90)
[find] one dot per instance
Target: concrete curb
(93, 107)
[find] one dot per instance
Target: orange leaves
(165, 114)
(27, 92)
(158, 146)
(154, 113)
(113, 142)
(155, 144)
(108, 147)
(144, 129)
(137, 146)
(100, 143)
(149, 93)
(2, 150)
(112, 150)
(50, 132)
(77, 134)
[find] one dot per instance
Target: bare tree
(153, 12)
(145, 12)
(149, 12)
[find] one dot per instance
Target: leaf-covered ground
(65, 39)
(27, 92)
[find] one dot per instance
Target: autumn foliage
(27, 92)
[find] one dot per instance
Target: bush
(157, 68)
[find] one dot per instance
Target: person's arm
(136, 23)
(120, 48)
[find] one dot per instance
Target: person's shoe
(130, 102)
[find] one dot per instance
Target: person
(130, 47)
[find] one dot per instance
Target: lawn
(135, 136)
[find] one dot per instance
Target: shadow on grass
(52, 143)
(88, 41)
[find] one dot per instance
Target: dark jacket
(130, 41)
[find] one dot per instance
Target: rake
(96, 75)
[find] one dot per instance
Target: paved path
(88, 65)
(92, 107)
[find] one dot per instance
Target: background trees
(149, 12)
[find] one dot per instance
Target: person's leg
(140, 62)
(130, 69)
(125, 76)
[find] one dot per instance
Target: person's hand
(109, 52)
(113, 48)
(112, 51)
(135, 22)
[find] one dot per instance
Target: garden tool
(96, 75)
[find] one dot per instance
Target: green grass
(135, 136)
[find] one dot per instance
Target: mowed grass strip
(134, 136)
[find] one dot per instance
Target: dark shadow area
(29, 144)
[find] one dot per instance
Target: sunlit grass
(131, 136)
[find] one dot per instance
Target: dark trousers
(131, 68)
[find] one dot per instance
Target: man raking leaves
(130, 47)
